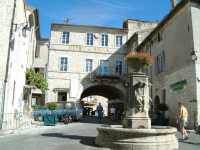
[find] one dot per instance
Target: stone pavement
(74, 136)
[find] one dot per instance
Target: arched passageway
(107, 91)
(104, 94)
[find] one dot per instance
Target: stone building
(17, 33)
(174, 76)
(89, 60)
(40, 65)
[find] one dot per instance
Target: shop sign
(93, 49)
(178, 85)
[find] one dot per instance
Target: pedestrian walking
(112, 112)
(183, 120)
(100, 112)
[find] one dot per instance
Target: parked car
(73, 109)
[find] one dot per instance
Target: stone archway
(109, 92)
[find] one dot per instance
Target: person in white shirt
(112, 112)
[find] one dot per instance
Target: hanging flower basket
(134, 64)
(137, 61)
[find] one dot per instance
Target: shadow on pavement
(85, 140)
(105, 120)
(192, 143)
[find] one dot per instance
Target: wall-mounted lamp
(198, 79)
(25, 31)
(193, 55)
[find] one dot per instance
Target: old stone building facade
(89, 60)
(18, 36)
(40, 65)
(174, 76)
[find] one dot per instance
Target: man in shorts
(112, 113)
(183, 119)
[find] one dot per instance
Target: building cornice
(56, 25)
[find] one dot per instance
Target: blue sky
(98, 12)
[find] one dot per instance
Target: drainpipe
(47, 68)
(151, 43)
(7, 69)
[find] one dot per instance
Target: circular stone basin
(156, 138)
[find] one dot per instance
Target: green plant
(52, 106)
(37, 80)
(162, 107)
(143, 58)
(35, 107)
(16, 113)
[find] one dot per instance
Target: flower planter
(135, 64)
(50, 119)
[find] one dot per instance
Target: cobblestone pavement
(74, 136)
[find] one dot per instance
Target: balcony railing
(108, 77)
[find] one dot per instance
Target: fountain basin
(156, 138)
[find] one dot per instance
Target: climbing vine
(37, 80)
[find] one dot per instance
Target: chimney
(174, 3)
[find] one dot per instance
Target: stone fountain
(136, 133)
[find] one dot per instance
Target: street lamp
(25, 31)
(193, 55)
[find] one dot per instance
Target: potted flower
(138, 60)
(51, 119)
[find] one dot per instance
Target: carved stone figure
(139, 94)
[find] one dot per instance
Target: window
(119, 67)
(89, 39)
(37, 51)
(63, 64)
(40, 70)
(65, 38)
(118, 41)
(89, 63)
(160, 63)
(62, 96)
(164, 96)
(159, 37)
(104, 40)
(103, 67)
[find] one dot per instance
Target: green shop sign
(178, 85)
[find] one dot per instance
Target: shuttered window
(37, 51)
(160, 63)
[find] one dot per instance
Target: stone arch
(108, 91)
(114, 88)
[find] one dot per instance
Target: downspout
(33, 40)
(7, 69)
(47, 68)
(151, 73)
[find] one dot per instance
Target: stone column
(138, 101)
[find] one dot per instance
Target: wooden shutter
(37, 51)
(31, 20)
(163, 62)
(156, 64)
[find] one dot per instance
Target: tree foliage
(37, 80)
(162, 107)
(52, 106)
